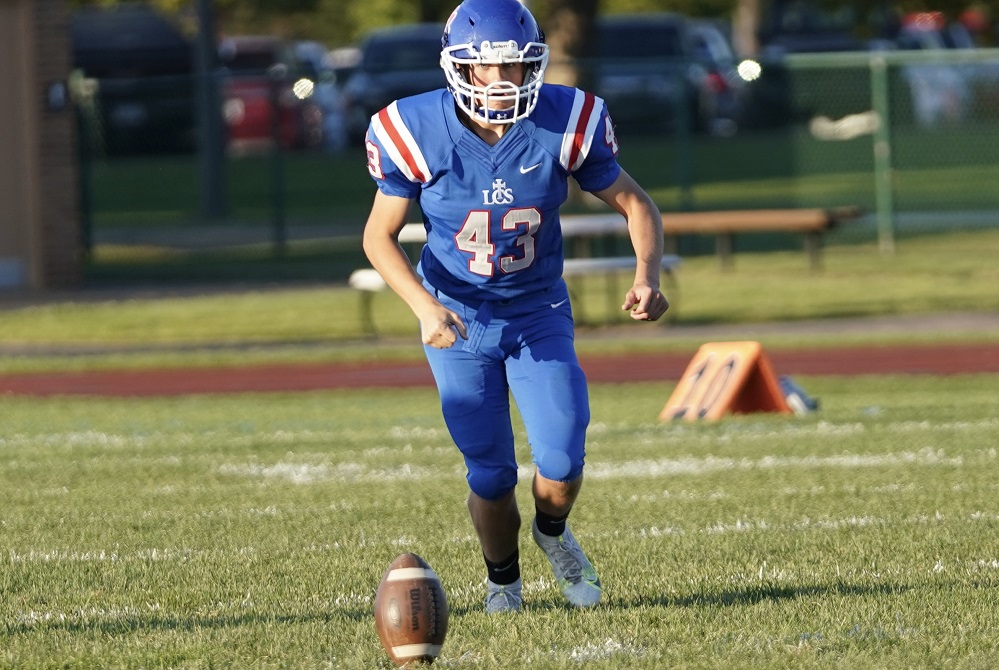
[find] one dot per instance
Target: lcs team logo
(499, 195)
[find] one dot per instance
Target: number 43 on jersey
(475, 239)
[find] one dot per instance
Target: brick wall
(60, 249)
(39, 182)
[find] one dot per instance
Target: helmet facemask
(516, 102)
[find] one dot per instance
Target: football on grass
(411, 611)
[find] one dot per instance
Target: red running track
(908, 359)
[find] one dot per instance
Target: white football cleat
(576, 577)
(504, 598)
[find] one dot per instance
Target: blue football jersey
(492, 212)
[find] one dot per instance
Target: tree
(569, 30)
(567, 22)
(745, 27)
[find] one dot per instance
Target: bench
(368, 282)
(724, 225)
(813, 223)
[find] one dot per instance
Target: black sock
(506, 571)
(552, 526)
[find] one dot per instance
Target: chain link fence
(912, 138)
(915, 135)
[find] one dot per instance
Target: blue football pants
(525, 348)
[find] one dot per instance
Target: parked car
(143, 68)
(267, 95)
(657, 72)
(941, 93)
(776, 97)
(344, 61)
(936, 93)
(931, 30)
(804, 26)
(712, 45)
(394, 63)
(317, 65)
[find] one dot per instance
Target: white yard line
(328, 438)
(354, 472)
(709, 464)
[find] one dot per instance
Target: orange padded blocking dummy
(725, 377)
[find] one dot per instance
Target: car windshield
(250, 61)
(383, 55)
(710, 45)
(631, 42)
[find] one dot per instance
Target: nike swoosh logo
(525, 170)
(556, 305)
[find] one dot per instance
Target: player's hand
(645, 302)
(440, 327)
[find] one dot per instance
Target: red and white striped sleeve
(390, 129)
(578, 137)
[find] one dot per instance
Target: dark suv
(395, 63)
(143, 68)
(656, 74)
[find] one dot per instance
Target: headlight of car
(304, 88)
(233, 111)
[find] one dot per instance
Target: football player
(488, 161)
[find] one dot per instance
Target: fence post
(277, 74)
(85, 131)
(684, 123)
(211, 130)
(883, 196)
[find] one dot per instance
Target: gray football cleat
(576, 577)
(504, 598)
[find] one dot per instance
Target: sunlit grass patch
(252, 530)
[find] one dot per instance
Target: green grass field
(251, 531)
(226, 325)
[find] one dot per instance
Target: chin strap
(493, 114)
